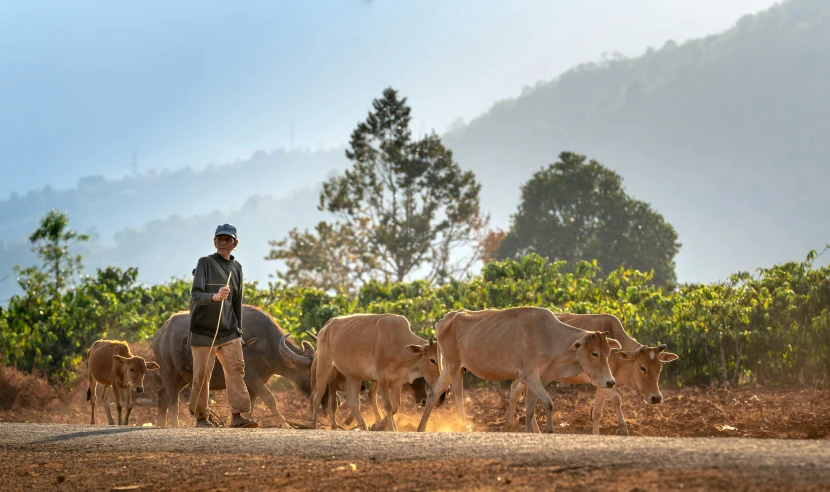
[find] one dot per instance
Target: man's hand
(221, 295)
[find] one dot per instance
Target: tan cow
(371, 347)
(525, 343)
(113, 365)
(636, 365)
(417, 389)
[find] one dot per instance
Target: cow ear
(151, 366)
(577, 344)
(308, 348)
(666, 356)
(415, 349)
(613, 343)
(121, 359)
(622, 355)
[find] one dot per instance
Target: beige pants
(230, 355)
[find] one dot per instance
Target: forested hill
(726, 136)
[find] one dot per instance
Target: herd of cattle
(532, 346)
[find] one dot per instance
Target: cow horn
(291, 355)
(432, 340)
(661, 347)
(311, 335)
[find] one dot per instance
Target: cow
(113, 365)
(263, 359)
(418, 389)
(372, 347)
(525, 343)
(635, 365)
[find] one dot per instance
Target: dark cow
(263, 359)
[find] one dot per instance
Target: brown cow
(635, 365)
(418, 389)
(525, 343)
(371, 347)
(113, 365)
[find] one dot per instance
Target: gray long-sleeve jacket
(210, 275)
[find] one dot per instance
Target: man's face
(224, 244)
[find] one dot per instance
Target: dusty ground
(83, 457)
(791, 413)
(797, 415)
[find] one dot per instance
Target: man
(210, 293)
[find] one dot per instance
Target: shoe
(243, 423)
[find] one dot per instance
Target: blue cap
(226, 229)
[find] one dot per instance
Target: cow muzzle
(610, 383)
(655, 399)
(139, 389)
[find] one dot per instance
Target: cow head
(419, 389)
(132, 370)
(646, 364)
(592, 352)
(429, 365)
(300, 362)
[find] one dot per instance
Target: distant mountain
(167, 248)
(726, 136)
(108, 206)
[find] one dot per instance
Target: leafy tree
(402, 206)
(51, 241)
(325, 258)
(577, 210)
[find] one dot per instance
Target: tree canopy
(404, 206)
(576, 209)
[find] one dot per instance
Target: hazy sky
(84, 84)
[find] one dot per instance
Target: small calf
(112, 365)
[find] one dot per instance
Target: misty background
(151, 124)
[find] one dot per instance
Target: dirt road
(81, 457)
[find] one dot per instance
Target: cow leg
(622, 427)
(350, 418)
(161, 406)
(168, 396)
(129, 391)
(534, 385)
(107, 404)
(331, 408)
(388, 422)
(173, 402)
(596, 414)
(522, 390)
(117, 393)
(458, 393)
(257, 388)
(436, 391)
(323, 376)
(373, 399)
(353, 397)
(91, 395)
(396, 403)
(517, 389)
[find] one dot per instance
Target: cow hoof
(622, 431)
